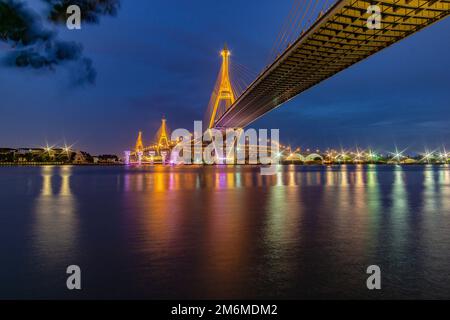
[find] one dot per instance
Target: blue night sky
(159, 57)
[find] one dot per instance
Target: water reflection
(282, 218)
(444, 190)
(283, 215)
(343, 177)
(397, 219)
(429, 190)
(228, 232)
(399, 196)
(56, 225)
(373, 199)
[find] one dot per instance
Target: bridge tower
(163, 140)
(225, 92)
(139, 144)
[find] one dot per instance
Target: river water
(225, 232)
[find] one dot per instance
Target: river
(225, 232)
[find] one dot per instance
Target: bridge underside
(336, 41)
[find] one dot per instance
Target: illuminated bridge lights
(159, 152)
(337, 40)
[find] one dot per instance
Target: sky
(157, 58)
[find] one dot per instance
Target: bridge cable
(268, 100)
(298, 26)
(324, 7)
(309, 17)
(287, 24)
(214, 94)
(287, 35)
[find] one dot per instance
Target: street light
(427, 156)
(397, 155)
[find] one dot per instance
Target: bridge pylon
(163, 140)
(225, 92)
(139, 144)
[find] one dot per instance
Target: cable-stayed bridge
(341, 36)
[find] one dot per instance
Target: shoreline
(42, 164)
(58, 164)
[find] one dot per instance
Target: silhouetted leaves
(20, 25)
(36, 46)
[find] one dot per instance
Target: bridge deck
(339, 39)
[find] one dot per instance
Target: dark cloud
(36, 47)
(91, 10)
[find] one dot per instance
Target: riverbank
(40, 164)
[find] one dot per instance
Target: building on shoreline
(50, 155)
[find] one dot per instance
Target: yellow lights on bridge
(139, 144)
(162, 132)
(225, 53)
(340, 38)
(223, 92)
(157, 152)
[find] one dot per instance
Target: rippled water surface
(225, 232)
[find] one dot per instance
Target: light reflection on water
(226, 232)
(56, 222)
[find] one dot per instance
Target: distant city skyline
(151, 60)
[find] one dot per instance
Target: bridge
(339, 38)
(156, 152)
